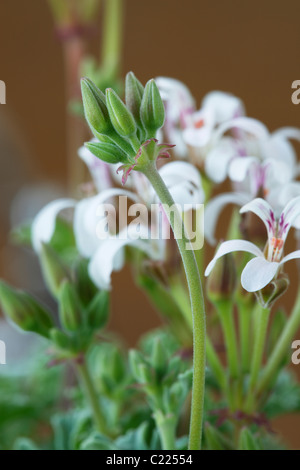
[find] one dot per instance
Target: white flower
(252, 155)
(106, 254)
(217, 107)
(263, 268)
(186, 126)
(43, 226)
(179, 106)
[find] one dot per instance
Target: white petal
(290, 256)
(197, 137)
(217, 160)
(184, 183)
(239, 167)
(110, 256)
(86, 219)
(249, 125)
(284, 194)
(224, 105)
(43, 225)
(278, 171)
(288, 133)
(177, 93)
(291, 212)
(258, 273)
(280, 149)
(264, 211)
(213, 209)
(230, 246)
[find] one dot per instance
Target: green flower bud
(117, 366)
(134, 91)
(159, 358)
(121, 118)
(221, 283)
(135, 361)
(273, 291)
(70, 310)
(25, 311)
(145, 375)
(54, 271)
(107, 152)
(95, 108)
(152, 109)
(85, 287)
(60, 339)
(98, 311)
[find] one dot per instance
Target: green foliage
(285, 396)
(30, 393)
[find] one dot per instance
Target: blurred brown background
(249, 48)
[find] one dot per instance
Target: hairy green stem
(91, 395)
(283, 345)
(197, 305)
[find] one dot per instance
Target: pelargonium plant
(184, 387)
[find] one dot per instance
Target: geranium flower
(264, 267)
(253, 156)
(106, 250)
(217, 107)
(184, 125)
(179, 107)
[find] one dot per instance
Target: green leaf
(23, 443)
(248, 441)
(98, 442)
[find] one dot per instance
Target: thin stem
(281, 348)
(180, 296)
(166, 426)
(259, 345)
(245, 328)
(197, 305)
(91, 396)
(227, 320)
(215, 364)
(112, 35)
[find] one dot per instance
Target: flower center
(275, 249)
(199, 123)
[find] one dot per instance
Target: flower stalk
(197, 304)
(272, 367)
(91, 395)
(259, 345)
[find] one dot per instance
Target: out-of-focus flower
(184, 126)
(106, 250)
(179, 108)
(217, 108)
(270, 173)
(106, 253)
(264, 267)
(254, 157)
